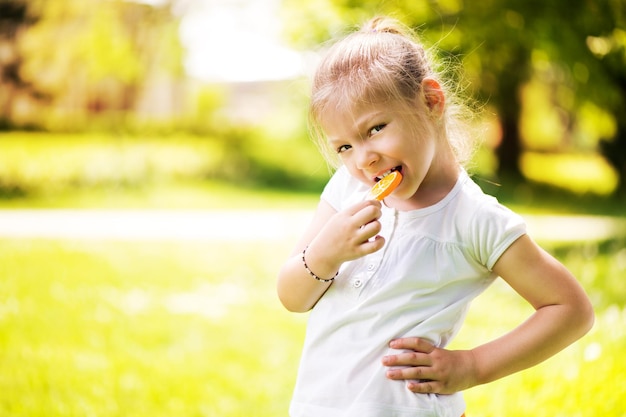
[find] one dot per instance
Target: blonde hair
(383, 61)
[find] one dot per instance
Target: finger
(360, 206)
(424, 387)
(412, 343)
(368, 213)
(419, 373)
(369, 230)
(411, 358)
(371, 246)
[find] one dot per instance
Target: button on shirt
(434, 262)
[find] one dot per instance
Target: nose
(366, 157)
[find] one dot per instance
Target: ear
(435, 98)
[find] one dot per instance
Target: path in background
(232, 225)
(240, 225)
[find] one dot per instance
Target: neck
(439, 181)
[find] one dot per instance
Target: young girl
(389, 284)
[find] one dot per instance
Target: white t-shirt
(434, 262)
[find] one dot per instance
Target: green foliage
(81, 59)
(36, 164)
(195, 329)
(578, 173)
(65, 169)
(42, 163)
(578, 61)
(601, 268)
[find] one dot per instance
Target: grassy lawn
(194, 329)
(117, 328)
(143, 329)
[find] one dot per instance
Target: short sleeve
(494, 228)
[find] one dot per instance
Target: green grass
(97, 328)
(586, 379)
(143, 329)
(107, 328)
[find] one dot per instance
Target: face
(375, 139)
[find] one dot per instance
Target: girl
(389, 284)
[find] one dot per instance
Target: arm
(331, 239)
(563, 314)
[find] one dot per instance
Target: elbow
(291, 303)
(587, 317)
(581, 318)
(296, 308)
(580, 313)
(292, 306)
(291, 293)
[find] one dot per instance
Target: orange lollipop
(385, 186)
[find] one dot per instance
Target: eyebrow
(366, 120)
(359, 125)
(336, 143)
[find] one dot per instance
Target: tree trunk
(509, 108)
(615, 152)
(510, 149)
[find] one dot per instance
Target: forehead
(340, 121)
(341, 118)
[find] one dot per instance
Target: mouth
(380, 177)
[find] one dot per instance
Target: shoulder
(489, 226)
(472, 204)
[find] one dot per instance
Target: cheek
(358, 174)
(422, 152)
(418, 162)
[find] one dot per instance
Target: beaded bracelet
(311, 272)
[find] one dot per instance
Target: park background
(196, 109)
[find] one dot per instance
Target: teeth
(385, 174)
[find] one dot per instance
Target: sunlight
(236, 41)
(579, 173)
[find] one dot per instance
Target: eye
(376, 129)
(343, 148)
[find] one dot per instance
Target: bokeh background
(155, 169)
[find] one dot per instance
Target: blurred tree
(581, 42)
(605, 64)
(14, 20)
(94, 57)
